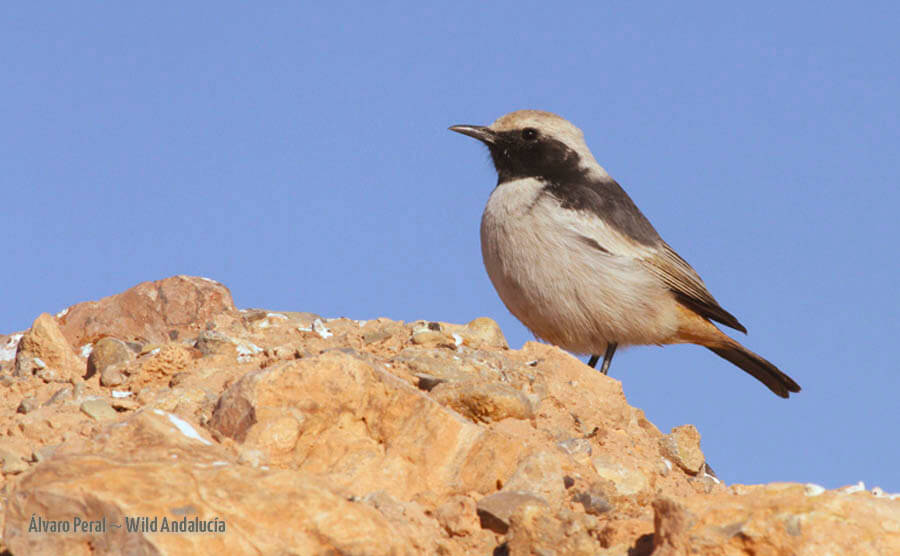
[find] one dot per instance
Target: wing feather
(606, 219)
(687, 285)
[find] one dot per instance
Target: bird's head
(535, 144)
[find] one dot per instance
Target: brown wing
(687, 286)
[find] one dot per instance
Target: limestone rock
(541, 474)
(433, 338)
(682, 446)
(152, 312)
(99, 410)
(483, 401)
(113, 375)
(534, 529)
(43, 350)
(778, 519)
(483, 333)
(628, 481)
(107, 352)
(171, 359)
(594, 502)
(459, 516)
(304, 434)
(278, 512)
(495, 510)
(211, 342)
(380, 431)
(408, 520)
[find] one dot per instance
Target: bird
(574, 259)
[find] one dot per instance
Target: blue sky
(300, 155)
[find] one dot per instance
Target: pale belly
(564, 290)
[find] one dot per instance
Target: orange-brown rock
(378, 431)
(682, 446)
(777, 519)
(301, 434)
(151, 312)
(226, 508)
(107, 352)
(44, 351)
(483, 333)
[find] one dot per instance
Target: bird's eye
(529, 134)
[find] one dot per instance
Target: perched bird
(577, 262)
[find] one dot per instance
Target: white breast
(564, 290)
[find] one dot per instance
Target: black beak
(480, 132)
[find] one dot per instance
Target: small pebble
(112, 376)
(98, 409)
(594, 503)
(432, 338)
(27, 405)
(60, 395)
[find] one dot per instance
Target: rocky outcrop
(175, 423)
(43, 351)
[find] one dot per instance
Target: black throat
(559, 168)
(545, 158)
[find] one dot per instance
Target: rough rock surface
(44, 351)
(211, 430)
(151, 312)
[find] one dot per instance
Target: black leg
(607, 357)
(593, 361)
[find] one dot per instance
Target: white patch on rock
(121, 393)
(39, 363)
(246, 350)
(267, 322)
(62, 313)
(858, 487)
(457, 339)
(812, 489)
(86, 350)
(183, 427)
(667, 463)
(319, 327)
(627, 481)
(362, 323)
(8, 351)
(879, 492)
